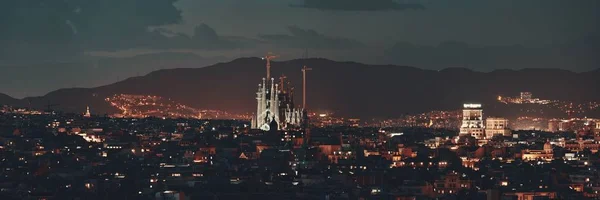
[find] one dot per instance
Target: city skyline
(300, 99)
(332, 87)
(58, 155)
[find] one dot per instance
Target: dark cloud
(359, 5)
(203, 38)
(574, 56)
(63, 30)
(306, 38)
(54, 29)
(205, 33)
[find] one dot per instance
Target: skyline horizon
(330, 89)
(121, 79)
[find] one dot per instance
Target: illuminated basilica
(275, 107)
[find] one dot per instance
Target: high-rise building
(496, 126)
(526, 96)
(472, 122)
(566, 125)
(553, 125)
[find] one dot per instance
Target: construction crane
(269, 57)
(282, 83)
(304, 69)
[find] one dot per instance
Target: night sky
(47, 45)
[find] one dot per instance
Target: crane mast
(269, 57)
(304, 70)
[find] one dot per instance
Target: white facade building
(526, 96)
(496, 126)
(472, 122)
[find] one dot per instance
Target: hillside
(347, 88)
(5, 99)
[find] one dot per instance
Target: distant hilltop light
(396, 134)
(472, 105)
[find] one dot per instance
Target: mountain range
(346, 88)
